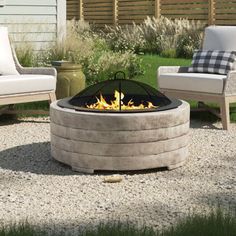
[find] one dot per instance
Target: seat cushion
(14, 84)
(7, 64)
(208, 83)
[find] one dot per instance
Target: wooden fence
(112, 12)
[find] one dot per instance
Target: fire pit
(119, 125)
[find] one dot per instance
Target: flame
(102, 104)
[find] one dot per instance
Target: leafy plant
(71, 47)
(160, 36)
(103, 65)
(83, 46)
(26, 55)
(170, 53)
(188, 42)
(125, 38)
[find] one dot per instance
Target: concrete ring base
(90, 141)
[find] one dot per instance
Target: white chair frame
(228, 96)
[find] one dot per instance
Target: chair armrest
(38, 70)
(172, 69)
(230, 84)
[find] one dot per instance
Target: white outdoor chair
(19, 84)
(175, 81)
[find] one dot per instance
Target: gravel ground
(35, 188)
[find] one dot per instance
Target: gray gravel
(35, 188)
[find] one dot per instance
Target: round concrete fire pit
(89, 141)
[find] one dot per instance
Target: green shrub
(125, 38)
(170, 53)
(26, 55)
(87, 48)
(159, 36)
(189, 41)
(71, 47)
(104, 64)
(164, 36)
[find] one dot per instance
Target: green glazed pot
(70, 80)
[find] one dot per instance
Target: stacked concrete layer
(89, 141)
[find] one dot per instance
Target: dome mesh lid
(119, 95)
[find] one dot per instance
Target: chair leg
(11, 106)
(52, 97)
(3, 110)
(225, 113)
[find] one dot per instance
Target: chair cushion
(7, 64)
(14, 84)
(220, 38)
(215, 62)
(208, 83)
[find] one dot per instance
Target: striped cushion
(214, 62)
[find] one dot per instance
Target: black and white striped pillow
(214, 62)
